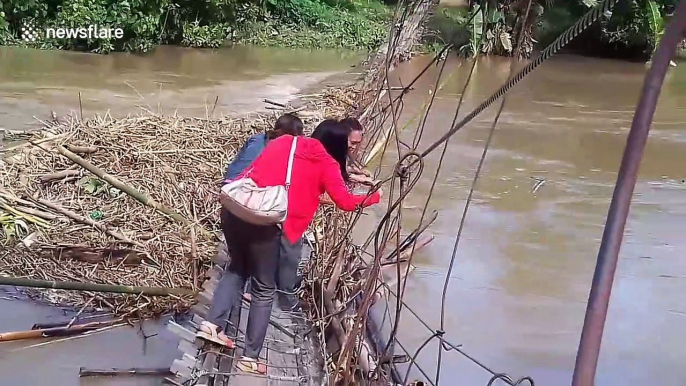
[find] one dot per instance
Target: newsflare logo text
(30, 33)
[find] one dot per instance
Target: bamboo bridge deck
(291, 356)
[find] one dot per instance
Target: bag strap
(290, 162)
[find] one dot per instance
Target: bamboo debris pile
(128, 202)
(333, 102)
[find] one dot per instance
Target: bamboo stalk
(171, 151)
(337, 270)
(33, 219)
(43, 326)
(50, 138)
(81, 336)
(76, 286)
(38, 213)
(73, 320)
(59, 175)
(9, 196)
(82, 149)
(275, 103)
(87, 221)
(171, 381)
(194, 259)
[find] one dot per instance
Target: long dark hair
(334, 137)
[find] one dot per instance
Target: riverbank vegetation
(631, 30)
(351, 24)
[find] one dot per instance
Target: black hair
(334, 136)
(351, 123)
(286, 124)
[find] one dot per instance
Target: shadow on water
(523, 270)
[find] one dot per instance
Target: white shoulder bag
(255, 205)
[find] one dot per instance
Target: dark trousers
(287, 273)
(254, 254)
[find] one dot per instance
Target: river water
(35, 82)
(518, 289)
(519, 286)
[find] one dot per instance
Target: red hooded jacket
(314, 173)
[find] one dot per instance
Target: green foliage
(655, 21)
(490, 31)
(635, 24)
(92, 185)
(200, 23)
(476, 30)
(631, 27)
(310, 23)
(447, 26)
(196, 35)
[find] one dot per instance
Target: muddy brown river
(520, 282)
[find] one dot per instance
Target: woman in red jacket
(319, 166)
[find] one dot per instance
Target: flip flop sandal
(251, 366)
(213, 335)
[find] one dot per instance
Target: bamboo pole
(37, 142)
(171, 381)
(59, 175)
(38, 221)
(38, 213)
(87, 221)
(76, 286)
(82, 149)
(53, 332)
(337, 270)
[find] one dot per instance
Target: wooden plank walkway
(292, 357)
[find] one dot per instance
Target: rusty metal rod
(599, 298)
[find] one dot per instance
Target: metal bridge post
(598, 300)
